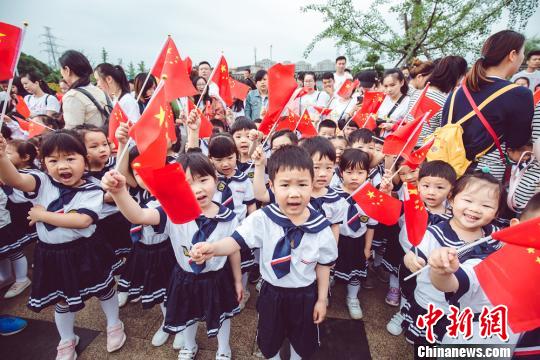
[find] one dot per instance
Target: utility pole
(255, 55)
(51, 47)
(270, 52)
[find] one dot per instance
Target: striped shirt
(435, 122)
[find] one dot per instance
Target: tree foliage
(403, 30)
(104, 55)
(141, 67)
(131, 72)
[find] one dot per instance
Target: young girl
(149, 267)
(476, 200)
(112, 226)
(235, 191)
(70, 264)
(196, 292)
(240, 131)
(355, 231)
(22, 155)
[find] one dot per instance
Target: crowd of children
(281, 207)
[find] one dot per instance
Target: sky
(202, 29)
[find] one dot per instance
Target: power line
(51, 47)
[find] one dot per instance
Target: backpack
(105, 111)
(448, 140)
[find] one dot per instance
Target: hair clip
(485, 170)
(483, 57)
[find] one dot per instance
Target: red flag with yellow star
(221, 79)
(155, 155)
(10, 43)
(416, 216)
(322, 110)
(239, 90)
(403, 140)
(365, 117)
(288, 122)
(173, 68)
(170, 187)
(205, 129)
(525, 234)
(509, 277)
(305, 126)
(378, 205)
(536, 97)
(348, 87)
(152, 121)
(117, 116)
(417, 157)
(424, 104)
(33, 127)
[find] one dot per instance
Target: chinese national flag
(155, 155)
(365, 117)
(378, 205)
(281, 87)
(189, 65)
(364, 120)
(168, 184)
(348, 87)
(10, 42)
(151, 122)
(510, 277)
(205, 130)
(117, 116)
(424, 104)
(301, 93)
(22, 108)
(34, 129)
(221, 79)
(288, 122)
(536, 97)
(525, 234)
(322, 110)
(170, 65)
(404, 139)
(24, 124)
(305, 126)
(239, 90)
(416, 216)
(418, 156)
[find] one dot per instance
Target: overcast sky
(136, 30)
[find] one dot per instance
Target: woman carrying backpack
(494, 113)
(41, 99)
(84, 103)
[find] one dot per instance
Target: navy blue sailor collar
(315, 223)
(238, 176)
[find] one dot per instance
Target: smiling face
(241, 139)
(434, 191)
(475, 206)
(66, 168)
(292, 188)
(226, 166)
(323, 169)
(97, 147)
(203, 187)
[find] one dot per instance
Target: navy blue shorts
(287, 313)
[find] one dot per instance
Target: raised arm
(9, 175)
(259, 186)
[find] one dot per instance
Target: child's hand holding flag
(113, 182)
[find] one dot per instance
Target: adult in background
(446, 75)
(313, 97)
(395, 104)
(509, 114)
(532, 72)
(41, 99)
(84, 103)
(145, 89)
(257, 100)
(247, 79)
(328, 83)
(418, 74)
(113, 80)
(341, 75)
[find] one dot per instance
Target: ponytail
(33, 77)
(494, 51)
(79, 65)
(118, 75)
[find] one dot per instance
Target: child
(297, 251)
(355, 231)
(455, 276)
(281, 138)
(207, 291)
(112, 225)
(347, 127)
(71, 264)
(475, 200)
(18, 234)
(340, 144)
(364, 140)
(327, 128)
(240, 130)
(235, 191)
(435, 182)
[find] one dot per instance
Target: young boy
(297, 251)
(327, 128)
(460, 283)
(240, 131)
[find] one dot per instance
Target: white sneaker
(259, 285)
(17, 288)
(160, 337)
(187, 354)
(136, 300)
(226, 356)
(122, 298)
(245, 299)
(178, 342)
(355, 311)
(394, 325)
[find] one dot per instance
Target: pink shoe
(66, 349)
(116, 337)
(392, 297)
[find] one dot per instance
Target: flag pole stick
(207, 84)
(149, 72)
(357, 190)
(459, 251)
(418, 127)
(10, 83)
(42, 125)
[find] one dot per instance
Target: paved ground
(141, 325)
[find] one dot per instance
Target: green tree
(141, 67)
(429, 28)
(531, 44)
(104, 55)
(131, 72)
(28, 63)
